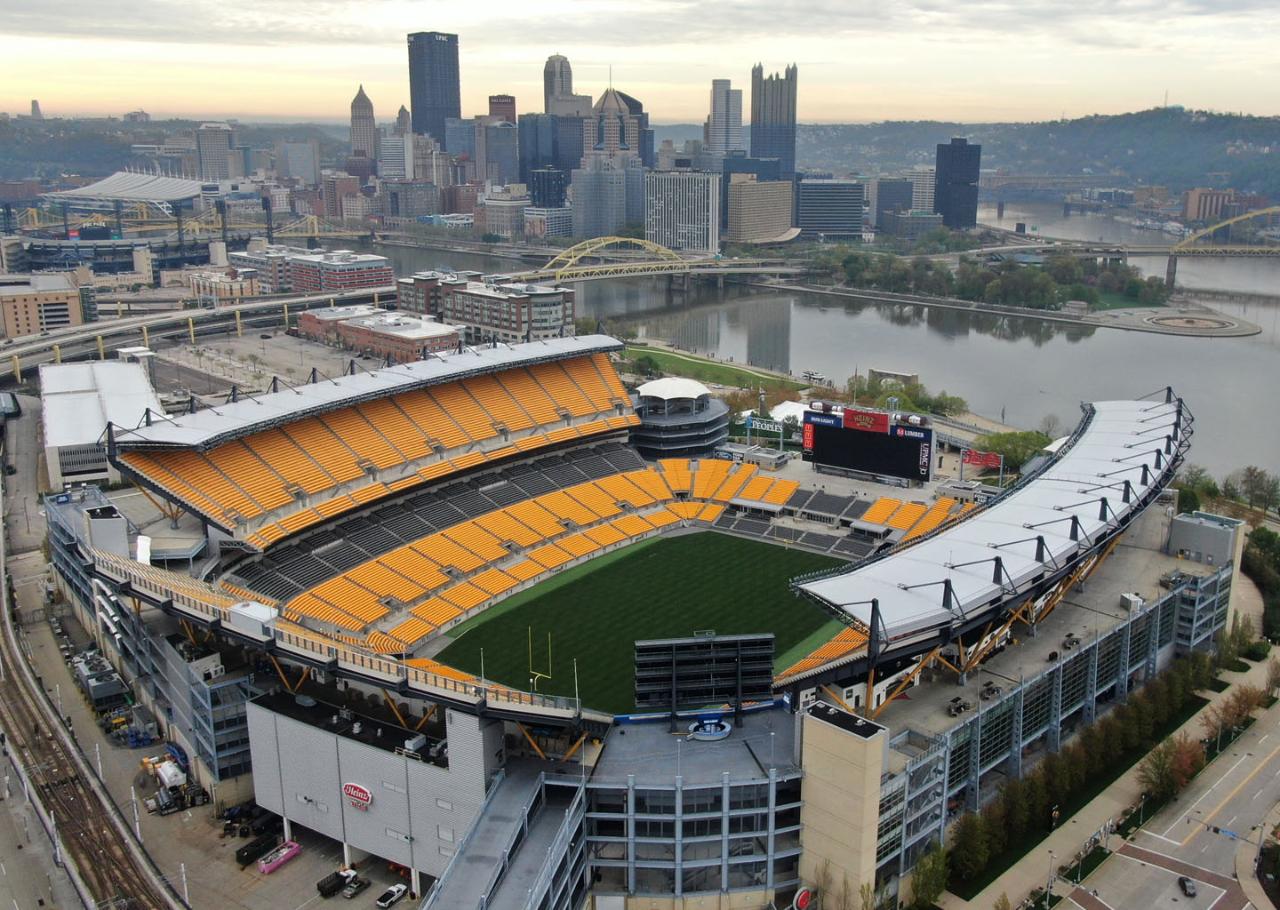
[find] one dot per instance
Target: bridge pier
(1171, 272)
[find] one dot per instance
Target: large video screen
(902, 452)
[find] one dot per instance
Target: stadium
(447, 566)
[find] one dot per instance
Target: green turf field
(664, 587)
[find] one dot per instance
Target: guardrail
(572, 818)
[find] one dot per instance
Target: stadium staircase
(513, 856)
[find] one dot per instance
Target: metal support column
(1015, 734)
(1153, 642)
(1090, 709)
(679, 832)
(1122, 665)
(631, 834)
(773, 804)
(724, 831)
(974, 774)
(1055, 709)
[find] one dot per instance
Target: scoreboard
(868, 442)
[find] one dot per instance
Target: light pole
(1048, 888)
(1142, 808)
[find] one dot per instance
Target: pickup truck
(334, 882)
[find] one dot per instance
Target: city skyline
(984, 62)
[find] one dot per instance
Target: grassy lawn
(661, 588)
(1110, 300)
(709, 371)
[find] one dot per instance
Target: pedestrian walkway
(1032, 871)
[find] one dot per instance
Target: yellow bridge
(586, 262)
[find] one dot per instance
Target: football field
(665, 587)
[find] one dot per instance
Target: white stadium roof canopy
(127, 186)
(252, 413)
(1033, 530)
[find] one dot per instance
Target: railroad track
(104, 861)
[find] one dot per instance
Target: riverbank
(709, 370)
(1186, 318)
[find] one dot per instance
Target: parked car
(1188, 886)
(391, 895)
(355, 887)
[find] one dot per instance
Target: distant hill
(100, 146)
(1170, 146)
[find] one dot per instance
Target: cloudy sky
(859, 60)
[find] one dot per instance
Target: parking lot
(190, 843)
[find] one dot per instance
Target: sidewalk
(1032, 871)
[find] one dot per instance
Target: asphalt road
(1235, 795)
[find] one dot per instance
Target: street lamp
(1142, 808)
(1048, 888)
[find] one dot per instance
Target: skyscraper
(503, 107)
(773, 117)
(557, 81)
(955, 193)
(724, 125)
(546, 187)
(537, 144)
(612, 131)
(922, 185)
(364, 128)
(682, 210)
(404, 122)
(213, 151)
(763, 169)
(830, 209)
(434, 87)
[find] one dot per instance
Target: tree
(929, 878)
(1269, 493)
(1076, 763)
(1273, 676)
(1188, 500)
(1050, 424)
(969, 848)
(994, 820)
(1017, 810)
(1017, 447)
(1253, 482)
(1156, 771)
(866, 896)
(1188, 760)
(1038, 804)
(1002, 902)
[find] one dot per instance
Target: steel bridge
(582, 262)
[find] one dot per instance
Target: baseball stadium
(449, 566)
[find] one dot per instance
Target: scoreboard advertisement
(868, 442)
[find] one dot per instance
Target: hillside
(1171, 146)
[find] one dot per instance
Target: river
(1021, 369)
